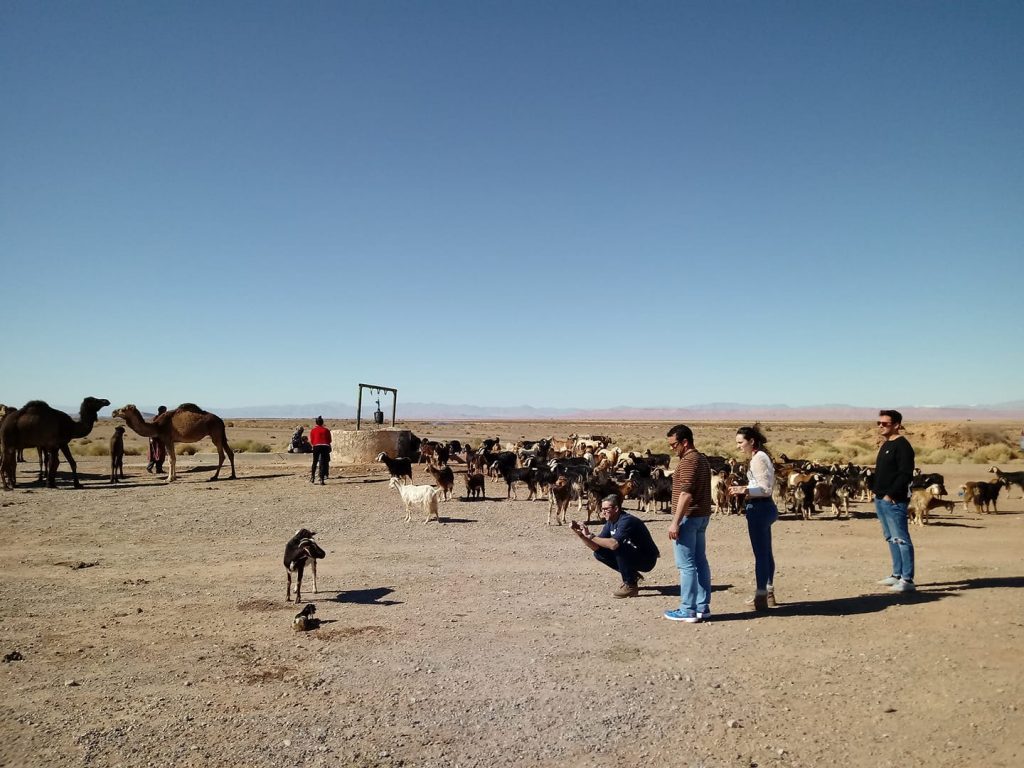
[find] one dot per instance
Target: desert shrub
(229, 423)
(131, 450)
(250, 446)
(83, 441)
(185, 449)
(93, 449)
(992, 454)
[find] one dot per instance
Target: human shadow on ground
(983, 582)
(446, 520)
(672, 590)
(367, 596)
(855, 604)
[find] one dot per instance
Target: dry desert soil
(147, 625)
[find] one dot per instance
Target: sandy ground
(153, 628)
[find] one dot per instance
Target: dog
(304, 621)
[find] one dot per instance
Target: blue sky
(563, 204)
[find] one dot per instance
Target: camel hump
(191, 407)
(35, 404)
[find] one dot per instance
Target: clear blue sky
(560, 204)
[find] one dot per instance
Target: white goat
(425, 496)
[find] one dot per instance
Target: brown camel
(188, 423)
(37, 425)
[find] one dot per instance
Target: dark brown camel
(188, 423)
(37, 425)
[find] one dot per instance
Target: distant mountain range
(1009, 411)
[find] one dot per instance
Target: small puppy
(304, 621)
(300, 550)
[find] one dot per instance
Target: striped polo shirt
(693, 476)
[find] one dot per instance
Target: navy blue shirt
(631, 532)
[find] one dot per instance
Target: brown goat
(117, 455)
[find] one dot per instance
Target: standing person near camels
(320, 439)
(157, 451)
(761, 513)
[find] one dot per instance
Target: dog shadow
(366, 596)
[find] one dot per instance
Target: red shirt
(319, 436)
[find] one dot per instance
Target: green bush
(992, 454)
(250, 446)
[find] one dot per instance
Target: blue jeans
(626, 561)
(692, 562)
(761, 513)
(893, 517)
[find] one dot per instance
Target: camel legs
(172, 457)
(223, 448)
(66, 450)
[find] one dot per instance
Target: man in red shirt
(320, 439)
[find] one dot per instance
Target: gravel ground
(153, 631)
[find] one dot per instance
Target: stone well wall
(363, 447)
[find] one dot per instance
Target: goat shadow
(367, 596)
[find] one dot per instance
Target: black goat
(398, 468)
(299, 550)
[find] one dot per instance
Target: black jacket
(894, 469)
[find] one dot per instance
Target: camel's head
(94, 404)
(125, 411)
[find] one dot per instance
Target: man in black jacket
(894, 469)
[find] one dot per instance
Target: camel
(37, 425)
(188, 423)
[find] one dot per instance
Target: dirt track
(154, 631)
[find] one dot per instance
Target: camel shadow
(271, 476)
(367, 596)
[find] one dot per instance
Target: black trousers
(626, 560)
(321, 454)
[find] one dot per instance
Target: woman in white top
(761, 512)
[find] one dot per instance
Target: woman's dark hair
(753, 433)
(320, 421)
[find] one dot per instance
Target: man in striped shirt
(691, 512)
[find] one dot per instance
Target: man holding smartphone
(624, 544)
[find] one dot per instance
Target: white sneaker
(888, 581)
(704, 616)
(903, 586)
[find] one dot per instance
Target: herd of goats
(586, 468)
(581, 468)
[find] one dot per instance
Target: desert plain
(146, 623)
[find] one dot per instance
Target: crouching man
(624, 544)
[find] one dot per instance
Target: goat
(499, 463)
(445, 479)
(982, 494)
(720, 492)
(1009, 478)
(425, 496)
(299, 550)
(117, 454)
(397, 468)
(559, 496)
(825, 495)
(475, 485)
(658, 459)
(522, 475)
(922, 480)
(923, 500)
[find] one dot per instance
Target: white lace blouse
(760, 476)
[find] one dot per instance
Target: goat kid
(425, 496)
(300, 550)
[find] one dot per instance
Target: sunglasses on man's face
(884, 423)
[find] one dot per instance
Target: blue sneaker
(678, 615)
